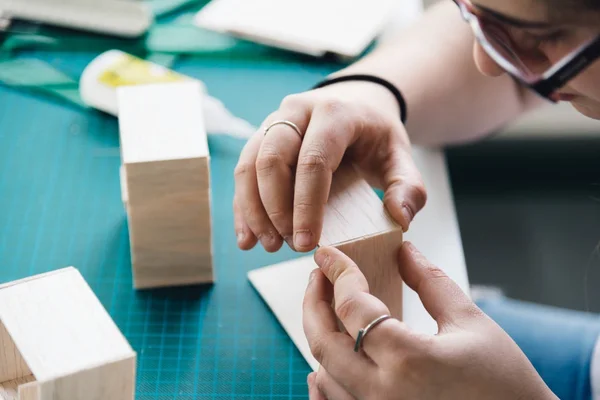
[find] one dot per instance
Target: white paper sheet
(313, 27)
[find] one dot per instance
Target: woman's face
(560, 27)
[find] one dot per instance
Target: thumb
(405, 194)
(443, 299)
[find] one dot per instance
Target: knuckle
(413, 363)
(304, 208)
(434, 276)
(305, 216)
(419, 193)
(337, 268)
(469, 310)
(433, 272)
(320, 381)
(276, 214)
(333, 106)
(431, 275)
(268, 161)
(323, 382)
(346, 307)
(314, 161)
(318, 348)
(243, 169)
(426, 343)
(254, 220)
(340, 269)
(295, 100)
(282, 221)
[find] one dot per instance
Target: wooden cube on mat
(165, 181)
(58, 342)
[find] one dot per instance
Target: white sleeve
(595, 371)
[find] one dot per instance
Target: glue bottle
(101, 78)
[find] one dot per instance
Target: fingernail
(312, 276)
(240, 236)
(407, 214)
(266, 238)
(303, 239)
(320, 257)
(418, 257)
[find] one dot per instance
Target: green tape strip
(165, 59)
(174, 38)
(50, 40)
(188, 39)
(38, 76)
(179, 36)
(161, 8)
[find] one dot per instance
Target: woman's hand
(282, 179)
(470, 358)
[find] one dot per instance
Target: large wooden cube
(58, 342)
(357, 223)
(166, 183)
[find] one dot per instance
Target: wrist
(539, 392)
(377, 92)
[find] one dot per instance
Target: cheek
(587, 86)
(484, 63)
(587, 83)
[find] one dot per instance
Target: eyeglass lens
(514, 46)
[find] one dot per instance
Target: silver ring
(363, 332)
(285, 122)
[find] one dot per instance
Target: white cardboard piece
(312, 27)
(122, 18)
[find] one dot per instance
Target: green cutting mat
(60, 205)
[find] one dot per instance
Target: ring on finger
(284, 122)
(364, 331)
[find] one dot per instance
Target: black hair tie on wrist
(374, 79)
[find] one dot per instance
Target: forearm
(448, 99)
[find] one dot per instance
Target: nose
(484, 63)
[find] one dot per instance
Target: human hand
(282, 180)
(471, 357)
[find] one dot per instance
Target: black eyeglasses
(498, 44)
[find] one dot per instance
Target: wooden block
(58, 342)
(166, 183)
(124, 191)
(356, 223)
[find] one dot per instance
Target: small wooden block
(356, 223)
(58, 342)
(165, 183)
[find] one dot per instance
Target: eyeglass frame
(551, 80)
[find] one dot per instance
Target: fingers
(443, 299)
(356, 307)
(330, 347)
(245, 237)
(276, 164)
(329, 388)
(327, 137)
(313, 391)
(405, 193)
(249, 203)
